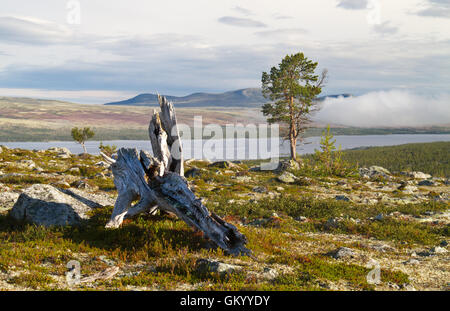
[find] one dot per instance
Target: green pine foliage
(81, 135)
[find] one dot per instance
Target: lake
(240, 149)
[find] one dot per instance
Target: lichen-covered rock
(287, 178)
(342, 252)
(208, 265)
(49, 206)
(417, 175)
(374, 172)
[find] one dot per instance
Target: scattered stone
(374, 172)
(379, 217)
(62, 153)
(426, 182)
(411, 261)
(438, 250)
(381, 247)
(408, 287)
(270, 274)
(208, 265)
(333, 222)
(194, 172)
(287, 178)
(82, 184)
(46, 205)
(342, 252)
(409, 189)
(102, 164)
(301, 218)
(223, 164)
(443, 243)
(243, 178)
(260, 189)
(287, 165)
(62, 184)
(417, 175)
(279, 189)
(106, 260)
(342, 198)
(7, 198)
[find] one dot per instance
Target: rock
(1, 149)
(342, 198)
(194, 172)
(279, 189)
(426, 182)
(82, 184)
(243, 178)
(208, 265)
(379, 217)
(223, 164)
(374, 172)
(102, 164)
(287, 165)
(411, 261)
(260, 189)
(270, 274)
(62, 184)
(342, 252)
(438, 250)
(38, 169)
(62, 153)
(417, 175)
(26, 164)
(333, 222)
(301, 218)
(74, 170)
(287, 178)
(381, 247)
(443, 243)
(409, 189)
(48, 206)
(254, 169)
(7, 199)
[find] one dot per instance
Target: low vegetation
(291, 228)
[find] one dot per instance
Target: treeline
(431, 158)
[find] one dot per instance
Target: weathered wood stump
(158, 183)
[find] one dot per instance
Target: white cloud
(387, 108)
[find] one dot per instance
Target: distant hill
(249, 98)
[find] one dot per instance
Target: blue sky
(122, 48)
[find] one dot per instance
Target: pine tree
(292, 88)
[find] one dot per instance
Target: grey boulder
(49, 206)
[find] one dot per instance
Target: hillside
(250, 98)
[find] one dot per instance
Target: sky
(95, 51)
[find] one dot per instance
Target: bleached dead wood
(158, 183)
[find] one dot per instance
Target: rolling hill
(249, 98)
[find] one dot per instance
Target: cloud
(353, 4)
(33, 31)
(436, 8)
(395, 108)
(282, 33)
(242, 10)
(385, 28)
(241, 22)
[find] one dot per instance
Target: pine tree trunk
(292, 130)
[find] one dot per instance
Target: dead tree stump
(157, 183)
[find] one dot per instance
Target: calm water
(240, 149)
